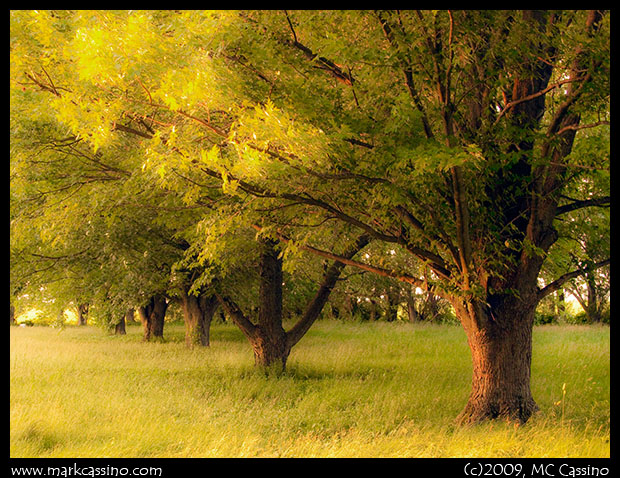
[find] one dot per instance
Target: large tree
(449, 134)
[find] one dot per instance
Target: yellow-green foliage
(352, 390)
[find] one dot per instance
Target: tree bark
(198, 313)
(12, 314)
(269, 339)
(499, 334)
(152, 317)
(412, 313)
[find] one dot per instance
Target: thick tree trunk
(12, 314)
(198, 314)
(152, 317)
(500, 341)
(269, 339)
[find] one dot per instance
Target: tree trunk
(12, 314)
(82, 314)
(271, 344)
(198, 313)
(412, 313)
(560, 304)
(391, 305)
(500, 341)
(119, 328)
(152, 317)
(373, 310)
(130, 316)
(269, 339)
(593, 309)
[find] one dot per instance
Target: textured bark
(269, 339)
(152, 317)
(499, 334)
(198, 312)
(501, 352)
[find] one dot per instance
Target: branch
(237, 316)
(462, 222)
(322, 295)
(585, 126)
(127, 129)
(544, 91)
(407, 70)
(557, 284)
(326, 64)
(360, 265)
(601, 202)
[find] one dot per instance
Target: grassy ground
(351, 390)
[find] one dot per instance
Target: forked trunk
(271, 349)
(152, 317)
(270, 342)
(198, 313)
(501, 351)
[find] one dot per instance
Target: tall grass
(351, 390)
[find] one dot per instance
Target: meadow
(350, 390)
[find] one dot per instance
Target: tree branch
(601, 202)
(360, 265)
(325, 64)
(322, 295)
(557, 284)
(408, 71)
(236, 315)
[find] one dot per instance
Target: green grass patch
(351, 390)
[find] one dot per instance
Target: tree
(583, 244)
(452, 139)
(450, 135)
(270, 342)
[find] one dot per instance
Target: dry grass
(351, 390)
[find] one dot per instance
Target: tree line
(256, 160)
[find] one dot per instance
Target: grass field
(351, 390)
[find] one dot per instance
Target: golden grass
(351, 390)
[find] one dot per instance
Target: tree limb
(322, 295)
(601, 202)
(360, 265)
(236, 315)
(557, 284)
